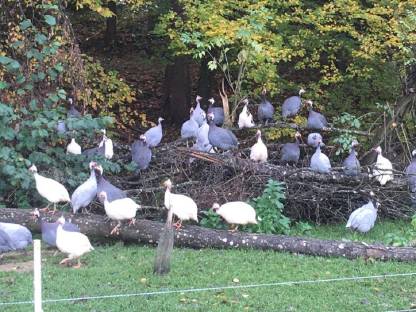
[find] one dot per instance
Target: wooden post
(37, 276)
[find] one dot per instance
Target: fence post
(37, 276)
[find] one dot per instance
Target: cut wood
(147, 232)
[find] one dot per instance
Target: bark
(145, 231)
(111, 25)
(177, 90)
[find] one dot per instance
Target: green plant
(269, 209)
(343, 141)
(212, 220)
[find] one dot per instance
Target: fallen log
(147, 232)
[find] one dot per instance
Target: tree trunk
(177, 90)
(145, 231)
(111, 25)
(205, 83)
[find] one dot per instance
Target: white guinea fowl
(74, 244)
(363, 218)
(181, 206)
(73, 148)
(85, 193)
(245, 119)
(259, 149)
(53, 191)
(383, 171)
(119, 210)
(237, 213)
(108, 145)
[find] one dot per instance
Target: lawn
(124, 269)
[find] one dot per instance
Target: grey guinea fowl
(290, 151)
(85, 193)
(265, 111)
(292, 105)
(411, 177)
(220, 137)
(190, 127)
(72, 112)
(351, 164)
(154, 135)
(320, 162)
(5, 242)
(141, 153)
(315, 120)
(19, 237)
(199, 113)
(61, 127)
(217, 111)
(103, 185)
(49, 229)
(314, 138)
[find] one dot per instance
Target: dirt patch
(26, 266)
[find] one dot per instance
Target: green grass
(118, 269)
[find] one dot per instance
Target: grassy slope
(120, 269)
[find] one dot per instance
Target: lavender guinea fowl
(141, 153)
(290, 151)
(265, 111)
(217, 111)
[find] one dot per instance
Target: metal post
(37, 276)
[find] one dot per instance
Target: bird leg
(64, 260)
(78, 265)
(132, 221)
(233, 228)
(54, 208)
(46, 209)
(116, 229)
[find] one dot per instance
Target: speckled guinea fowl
(291, 151)
(141, 153)
(265, 111)
(103, 185)
(220, 137)
(351, 164)
(291, 106)
(314, 138)
(15, 236)
(217, 111)
(72, 112)
(315, 120)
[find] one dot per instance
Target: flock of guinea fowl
(208, 135)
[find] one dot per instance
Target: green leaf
(21, 92)
(50, 20)
(13, 66)
(40, 38)
(17, 44)
(59, 67)
(25, 24)
(3, 85)
(5, 60)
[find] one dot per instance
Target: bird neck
(297, 140)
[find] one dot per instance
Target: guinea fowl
(61, 127)
(292, 105)
(49, 229)
(14, 236)
(315, 120)
(141, 153)
(199, 113)
(119, 210)
(220, 137)
(73, 148)
(258, 151)
(103, 185)
(411, 177)
(182, 206)
(85, 193)
(314, 138)
(319, 161)
(74, 244)
(154, 135)
(383, 169)
(104, 148)
(245, 119)
(236, 213)
(265, 110)
(202, 142)
(72, 112)
(53, 191)
(362, 219)
(291, 151)
(351, 164)
(190, 127)
(217, 111)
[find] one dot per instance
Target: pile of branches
(312, 196)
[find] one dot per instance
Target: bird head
(198, 98)
(92, 165)
(210, 116)
(61, 220)
(211, 101)
(102, 195)
(263, 91)
(215, 207)
(354, 143)
(298, 135)
(168, 184)
(35, 214)
(160, 119)
(70, 100)
(301, 91)
(258, 134)
(377, 150)
(33, 169)
(191, 111)
(98, 169)
(309, 103)
(414, 153)
(103, 131)
(142, 138)
(245, 102)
